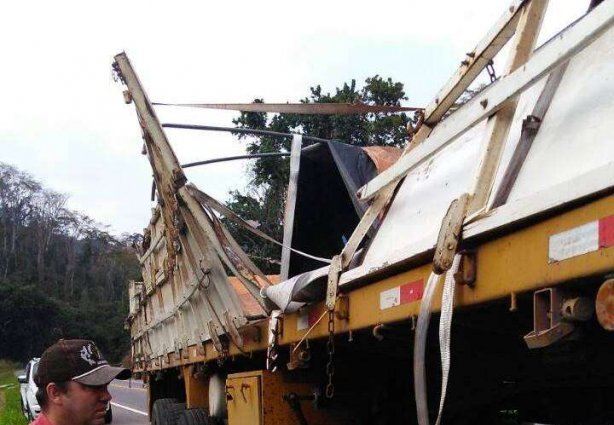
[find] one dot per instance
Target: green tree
(61, 273)
(264, 200)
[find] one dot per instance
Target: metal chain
(330, 348)
(491, 71)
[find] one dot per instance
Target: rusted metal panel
(300, 108)
(604, 305)
(383, 156)
(190, 298)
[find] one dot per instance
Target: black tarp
(327, 210)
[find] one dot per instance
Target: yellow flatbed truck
(472, 284)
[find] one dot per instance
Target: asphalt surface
(129, 402)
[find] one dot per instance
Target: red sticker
(412, 291)
(606, 232)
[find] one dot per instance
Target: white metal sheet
(425, 196)
(577, 134)
(390, 298)
(575, 139)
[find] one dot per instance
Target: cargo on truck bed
(495, 223)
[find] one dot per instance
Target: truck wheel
(195, 416)
(167, 412)
(159, 408)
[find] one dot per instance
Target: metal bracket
(299, 357)
(332, 288)
(450, 234)
(217, 343)
(548, 326)
(275, 329)
(294, 401)
(467, 268)
(342, 312)
(233, 331)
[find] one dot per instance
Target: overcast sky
(62, 117)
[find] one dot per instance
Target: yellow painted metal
(196, 388)
(514, 263)
(511, 264)
(244, 399)
(268, 406)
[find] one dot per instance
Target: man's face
(86, 405)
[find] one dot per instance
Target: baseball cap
(76, 360)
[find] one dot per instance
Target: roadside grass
(10, 401)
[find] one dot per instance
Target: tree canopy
(61, 273)
(265, 198)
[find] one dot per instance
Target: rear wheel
(166, 411)
(159, 406)
(195, 416)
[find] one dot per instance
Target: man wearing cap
(72, 379)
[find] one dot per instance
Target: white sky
(62, 118)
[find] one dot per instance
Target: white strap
(445, 328)
(422, 328)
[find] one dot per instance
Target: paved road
(128, 402)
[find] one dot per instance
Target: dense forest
(62, 275)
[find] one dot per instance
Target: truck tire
(169, 414)
(173, 412)
(159, 408)
(195, 416)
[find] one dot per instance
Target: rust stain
(383, 156)
(604, 305)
